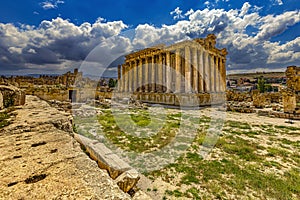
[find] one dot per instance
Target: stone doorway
(73, 95)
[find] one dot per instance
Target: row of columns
(185, 70)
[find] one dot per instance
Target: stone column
(178, 71)
(168, 72)
(140, 74)
(153, 71)
(119, 78)
(163, 72)
(123, 78)
(201, 70)
(223, 74)
(146, 75)
(130, 77)
(127, 77)
(212, 73)
(159, 73)
(217, 75)
(195, 69)
(135, 77)
(187, 68)
(207, 72)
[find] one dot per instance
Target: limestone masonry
(180, 74)
(290, 94)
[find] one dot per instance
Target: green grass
(4, 119)
(237, 172)
(236, 124)
(288, 128)
(279, 152)
(240, 179)
(114, 131)
(237, 169)
(195, 193)
(292, 143)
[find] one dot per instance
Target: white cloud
(278, 2)
(191, 11)
(177, 13)
(60, 43)
(245, 9)
(275, 25)
(51, 4)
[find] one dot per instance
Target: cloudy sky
(54, 36)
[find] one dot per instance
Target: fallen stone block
(128, 180)
(125, 176)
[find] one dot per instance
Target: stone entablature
(193, 66)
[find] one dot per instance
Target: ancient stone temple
(188, 72)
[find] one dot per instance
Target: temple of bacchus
(186, 73)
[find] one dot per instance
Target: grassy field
(248, 161)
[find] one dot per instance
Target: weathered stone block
(125, 176)
(289, 101)
(12, 96)
(1, 101)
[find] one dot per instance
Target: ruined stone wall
(293, 78)
(11, 96)
(255, 96)
(289, 101)
(48, 92)
(238, 96)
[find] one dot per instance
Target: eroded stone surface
(40, 160)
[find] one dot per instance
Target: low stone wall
(238, 96)
(279, 114)
(260, 100)
(11, 96)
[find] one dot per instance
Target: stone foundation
(186, 100)
(279, 114)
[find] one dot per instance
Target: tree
(112, 83)
(261, 85)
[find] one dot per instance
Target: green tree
(112, 83)
(261, 85)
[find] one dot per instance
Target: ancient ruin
(11, 96)
(186, 73)
(290, 103)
